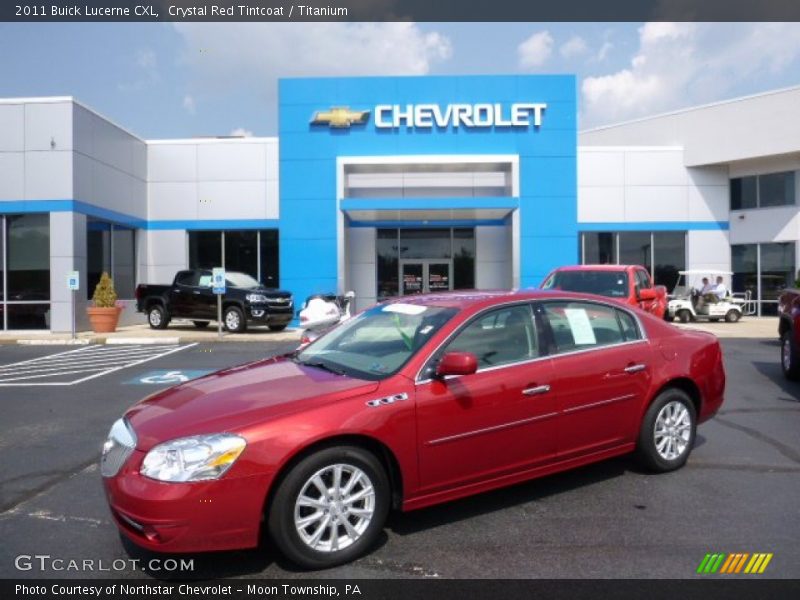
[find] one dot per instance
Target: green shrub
(104, 294)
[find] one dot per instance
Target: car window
(187, 278)
(499, 337)
(582, 325)
(642, 279)
(602, 282)
(379, 341)
(630, 330)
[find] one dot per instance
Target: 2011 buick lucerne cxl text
(414, 402)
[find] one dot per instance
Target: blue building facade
(417, 153)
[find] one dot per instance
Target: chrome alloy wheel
(786, 353)
(155, 317)
(334, 507)
(232, 320)
(673, 430)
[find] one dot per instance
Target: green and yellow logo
(728, 564)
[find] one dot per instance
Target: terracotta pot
(103, 320)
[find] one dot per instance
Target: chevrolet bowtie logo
(340, 117)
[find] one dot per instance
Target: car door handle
(631, 369)
(536, 391)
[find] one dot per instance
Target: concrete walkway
(748, 327)
(177, 333)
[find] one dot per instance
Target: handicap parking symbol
(165, 377)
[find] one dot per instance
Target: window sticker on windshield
(582, 331)
(405, 309)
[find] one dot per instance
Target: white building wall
(361, 267)
(195, 180)
(493, 258)
(648, 184)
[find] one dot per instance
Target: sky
(170, 80)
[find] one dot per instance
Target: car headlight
(117, 448)
(256, 298)
(196, 458)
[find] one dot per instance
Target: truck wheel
(732, 316)
(684, 316)
(157, 317)
(200, 324)
(278, 327)
(790, 356)
(233, 318)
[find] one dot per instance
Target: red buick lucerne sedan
(411, 403)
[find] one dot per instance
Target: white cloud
(536, 50)
(241, 132)
(189, 105)
(226, 56)
(684, 64)
(574, 46)
(145, 72)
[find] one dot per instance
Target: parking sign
(73, 281)
(218, 280)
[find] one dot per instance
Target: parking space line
(93, 360)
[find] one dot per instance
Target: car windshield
(378, 342)
(240, 280)
(613, 284)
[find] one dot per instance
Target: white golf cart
(687, 304)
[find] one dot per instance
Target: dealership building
(396, 185)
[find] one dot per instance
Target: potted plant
(104, 315)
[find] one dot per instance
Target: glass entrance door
(425, 276)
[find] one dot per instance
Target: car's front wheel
(790, 357)
(234, 320)
(668, 431)
(330, 508)
(684, 316)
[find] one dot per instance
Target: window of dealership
(254, 252)
(764, 270)
(25, 271)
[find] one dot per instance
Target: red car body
(640, 290)
(441, 440)
(789, 332)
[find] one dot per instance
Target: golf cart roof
(705, 272)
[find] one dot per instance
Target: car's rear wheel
(684, 316)
(157, 317)
(234, 320)
(732, 316)
(668, 431)
(200, 324)
(330, 508)
(790, 357)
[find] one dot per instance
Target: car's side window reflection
(499, 337)
(583, 325)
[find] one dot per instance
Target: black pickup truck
(191, 297)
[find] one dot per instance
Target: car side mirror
(457, 363)
(647, 294)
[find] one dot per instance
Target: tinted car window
(582, 325)
(187, 278)
(603, 283)
(499, 337)
(642, 279)
(630, 331)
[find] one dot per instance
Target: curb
(141, 341)
(78, 342)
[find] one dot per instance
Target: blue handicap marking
(167, 377)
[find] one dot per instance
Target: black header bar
(397, 10)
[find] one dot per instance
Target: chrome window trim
(531, 302)
(492, 429)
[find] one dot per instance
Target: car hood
(234, 398)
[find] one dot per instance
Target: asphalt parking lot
(739, 492)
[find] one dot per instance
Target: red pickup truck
(630, 284)
(789, 332)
